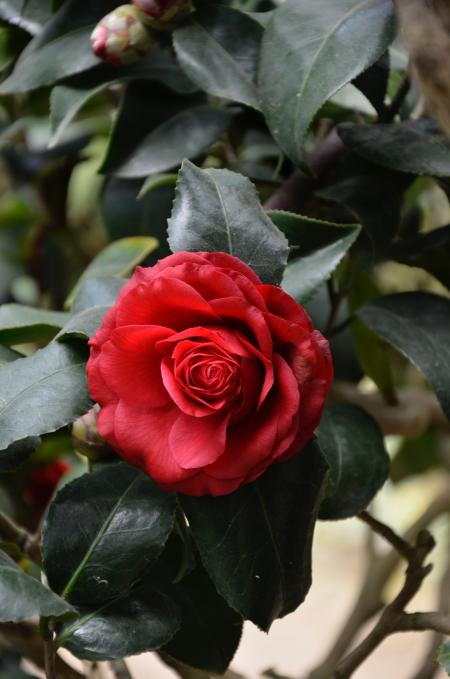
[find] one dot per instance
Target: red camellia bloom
(204, 375)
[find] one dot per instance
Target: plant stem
(402, 547)
(397, 101)
(120, 669)
(11, 532)
(49, 649)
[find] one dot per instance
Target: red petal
(196, 442)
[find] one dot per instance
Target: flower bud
(86, 438)
(164, 14)
(121, 37)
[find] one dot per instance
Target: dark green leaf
(322, 245)
(29, 15)
(119, 522)
(218, 48)
(418, 325)
(219, 211)
(302, 39)
(140, 621)
(417, 146)
(83, 324)
(20, 323)
(187, 135)
(210, 630)
(67, 55)
(256, 543)
(429, 251)
(359, 465)
(7, 355)
(443, 657)
(66, 100)
(17, 453)
(96, 292)
(31, 389)
(116, 259)
(23, 597)
(373, 83)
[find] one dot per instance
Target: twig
(418, 622)
(394, 107)
(120, 669)
(340, 327)
(393, 613)
(336, 299)
(369, 601)
(397, 542)
(49, 649)
(27, 543)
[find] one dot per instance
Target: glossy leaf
(97, 292)
(219, 211)
(443, 657)
(322, 245)
(67, 100)
(373, 83)
(7, 355)
(301, 40)
(187, 135)
(83, 324)
(140, 621)
(66, 55)
(30, 16)
(210, 630)
(116, 259)
(23, 597)
(429, 251)
(218, 48)
(255, 544)
(120, 522)
(417, 147)
(17, 453)
(353, 446)
(418, 325)
(31, 388)
(20, 324)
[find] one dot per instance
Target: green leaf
(418, 325)
(7, 355)
(373, 83)
(300, 43)
(417, 455)
(20, 323)
(31, 392)
(29, 15)
(359, 465)
(23, 597)
(66, 55)
(188, 134)
(17, 453)
(219, 48)
(219, 211)
(68, 99)
(255, 543)
(416, 146)
(210, 630)
(156, 181)
(83, 324)
(97, 292)
(429, 251)
(140, 621)
(443, 656)
(322, 245)
(116, 259)
(119, 521)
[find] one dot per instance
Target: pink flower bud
(164, 14)
(121, 37)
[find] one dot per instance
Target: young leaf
(119, 521)
(218, 48)
(31, 392)
(116, 259)
(23, 597)
(20, 323)
(443, 656)
(188, 134)
(140, 621)
(418, 325)
(322, 245)
(416, 146)
(210, 630)
(219, 211)
(359, 465)
(255, 543)
(302, 39)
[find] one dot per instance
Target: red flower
(42, 485)
(205, 376)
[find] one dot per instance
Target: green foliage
(443, 656)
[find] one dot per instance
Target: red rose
(204, 375)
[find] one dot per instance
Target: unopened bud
(86, 438)
(121, 36)
(164, 14)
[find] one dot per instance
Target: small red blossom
(42, 484)
(205, 376)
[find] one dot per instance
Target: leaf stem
(49, 649)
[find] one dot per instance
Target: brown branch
(418, 622)
(369, 599)
(399, 97)
(397, 542)
(11, 532)
(120, 670)
(393, 613)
